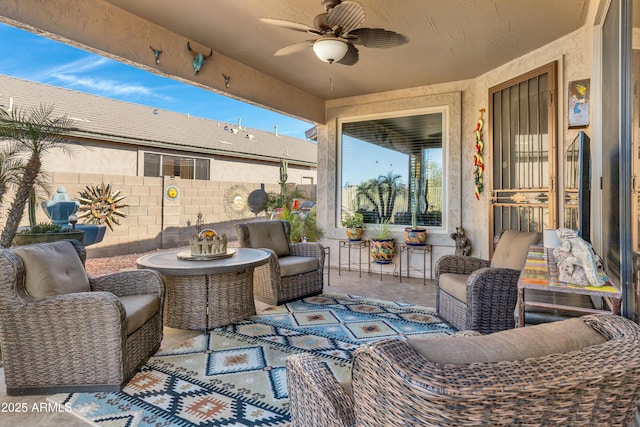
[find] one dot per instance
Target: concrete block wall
(155, 221)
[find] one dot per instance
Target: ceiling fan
(340, 32)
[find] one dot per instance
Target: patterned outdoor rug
(235, 375)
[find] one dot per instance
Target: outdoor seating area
(552, 368)
(434, 221)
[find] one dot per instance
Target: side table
(348, 244)
(425, 249)
(541, 272)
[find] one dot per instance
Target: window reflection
(392, 166)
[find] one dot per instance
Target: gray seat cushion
(52, 269)
(455, 285)
(139, 309)
(513, 344)
(293, 265)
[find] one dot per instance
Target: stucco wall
(122, 159)
(89, 157)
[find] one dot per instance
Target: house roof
(110, 120)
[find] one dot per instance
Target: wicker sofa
(294, 270)
(63, 331)
(577, 372)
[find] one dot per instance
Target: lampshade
(550, 238)
(330, 49)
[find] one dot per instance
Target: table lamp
(550, 239)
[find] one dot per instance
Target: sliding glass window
(183, 167)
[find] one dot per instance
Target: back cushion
(512, 248)
(513, 344)
(268, 234)
(52, 269)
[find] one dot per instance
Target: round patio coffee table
(205, 294)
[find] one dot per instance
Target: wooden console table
(541, 272)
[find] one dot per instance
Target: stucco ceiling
(448, 40)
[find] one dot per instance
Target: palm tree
(11, 164)
(34, 131)
(382, 192)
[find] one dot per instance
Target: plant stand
(348, 244)
(395, 272)
(327, 256)
(425, 249)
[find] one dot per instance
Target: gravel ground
(102, 266)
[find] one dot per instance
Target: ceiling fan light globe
(330, 50)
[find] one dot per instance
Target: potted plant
(383, 245)
(304, 227)
(29, 133)
(414, 235)
(355, 224)
(46, 232)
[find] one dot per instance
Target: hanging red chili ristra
(478, 161)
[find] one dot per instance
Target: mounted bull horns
(198, 58)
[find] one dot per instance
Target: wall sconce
(226, 79)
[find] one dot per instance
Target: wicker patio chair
(63, 331)
(481, 295)
(294, 270)
(577, 372)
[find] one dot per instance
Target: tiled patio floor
(384, 287)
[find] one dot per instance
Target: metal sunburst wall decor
(235, 202)
(100, 204)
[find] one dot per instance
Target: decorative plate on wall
(172, 192)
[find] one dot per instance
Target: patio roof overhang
(448, 41)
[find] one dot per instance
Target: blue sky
(31, 57)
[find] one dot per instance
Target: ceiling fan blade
(378, 38)
(290, 25)
(346, 16)
(351, 57)
(293, 48)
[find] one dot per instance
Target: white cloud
(109, 88)
(80, 65)
(87, 63)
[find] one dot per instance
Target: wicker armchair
(294, 270)
(63, 331)
(595, 380)
(481, 295)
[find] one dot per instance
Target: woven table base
(208, 301)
